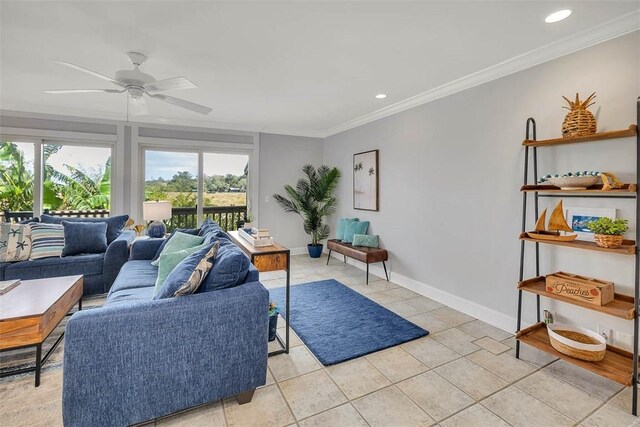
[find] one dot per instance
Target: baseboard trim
(298, 251)
(488, 315)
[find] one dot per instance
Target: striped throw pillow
(15, 242)
(47, 240)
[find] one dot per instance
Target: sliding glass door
(225, 184)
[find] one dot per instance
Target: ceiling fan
(137, 84)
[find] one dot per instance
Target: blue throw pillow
(115, 224)
(192, 231)
(212, 230)
(342, 224)
(229, 269)
(84, 238)
(181, 273)
(355, 227)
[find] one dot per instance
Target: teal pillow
(178, 242)
(168, 261)
(342, 225)
(367, 240)
(355, 227)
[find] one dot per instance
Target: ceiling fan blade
(63, 91)
(182, 103)
(138, 106)
(84, 70)
(170, 84)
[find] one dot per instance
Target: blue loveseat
(99, 270)
(138, 358)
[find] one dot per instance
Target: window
(16, 176)
(225, 185)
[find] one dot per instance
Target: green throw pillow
(368, 240)
(355, 227)
(178, 242)
(342, 225)
(168, 261)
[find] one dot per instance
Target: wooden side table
(270, 258)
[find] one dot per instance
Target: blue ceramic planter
(273, 326)
(314, 251)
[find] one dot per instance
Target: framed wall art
(577, 218)
(365, 180)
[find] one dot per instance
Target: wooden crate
(581, 288)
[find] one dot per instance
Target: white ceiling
(299, 67)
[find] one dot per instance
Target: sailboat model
(557, 223)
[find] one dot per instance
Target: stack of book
(258, 237)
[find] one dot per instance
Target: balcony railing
(16, 216)
(227, 216)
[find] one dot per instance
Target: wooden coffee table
(32, 310)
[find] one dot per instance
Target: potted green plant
(273, 320)
(313, 200)
(608, 233)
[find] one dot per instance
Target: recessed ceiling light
(381, 96)
(557, 16)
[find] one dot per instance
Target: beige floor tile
(383, 297)
(610, 416)
(270, 379)
(396, 364)
(503, 365)
(357, 377)
(294, 340)
(363, 289)
(207, 415)
(343, 416)
(474, 380)
(571, 401)
(520, 409)
(267, 407)
(424, 304)
(402, 293)
(479, 329)
(435, 395)
(391, 407)
(430, 352)
(623, 400)
(600, 387)
(380, 284)
(299, 361)
(311, 394)
(457, 341)
(530, 354)
(491, 345)
(401, 308)
(428, 322)
(475, 416)
(451, 316)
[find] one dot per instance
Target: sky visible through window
(164, 164)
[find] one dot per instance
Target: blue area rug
(338, 324)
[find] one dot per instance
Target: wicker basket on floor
(577, 342)
(608, 241)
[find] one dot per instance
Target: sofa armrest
(145, 249)
(114, 258)
(129, 363)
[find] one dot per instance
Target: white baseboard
(488, 315)
(298, 251)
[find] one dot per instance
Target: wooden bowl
(574, 182)
(577, 342)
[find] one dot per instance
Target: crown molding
(71, 114)
(609, 30)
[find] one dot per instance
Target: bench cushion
(368, 255)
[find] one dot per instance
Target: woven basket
(579, 123)
(577, 342)
(608, 241)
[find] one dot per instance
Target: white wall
(450, 173)
(281, 161)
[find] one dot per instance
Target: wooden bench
(360, 253)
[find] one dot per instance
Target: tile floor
(463, 374)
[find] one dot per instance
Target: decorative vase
(273, 326)
(156, 229)
(608, 240)
(315, 250)
(579, 121)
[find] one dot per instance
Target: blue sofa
(99, 270)
(136, 358)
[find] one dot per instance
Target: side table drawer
(270, 262)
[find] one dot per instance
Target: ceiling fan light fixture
(557, 16)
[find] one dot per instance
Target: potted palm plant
(313, 200)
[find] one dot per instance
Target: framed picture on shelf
(365, 180)
(577, 218)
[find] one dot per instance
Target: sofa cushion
(90, 264)
(128, 296)
(181, 273)
(115, 224)
(199, 273)
(178, 242)
(84, 238)
(168, 261)
(192, 231)
(3, 266)
(212, 231)
(47, 240)
(15, 242)
(135, 274)
(229, 269)
(354, 227)
(342, 224)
